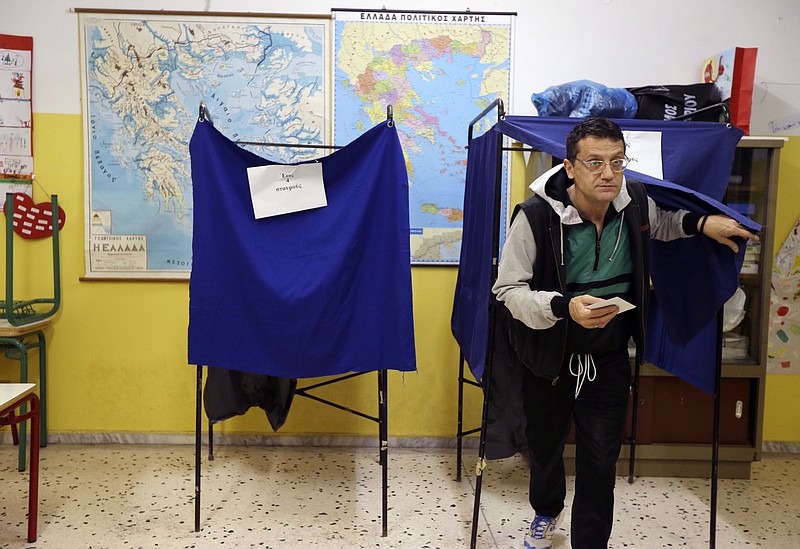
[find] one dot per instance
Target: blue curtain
(470, 318)
(306, 294)
(692, 278)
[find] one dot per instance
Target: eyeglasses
(595, 167)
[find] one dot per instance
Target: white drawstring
(586, 370)
(561, 228)
(619, 235)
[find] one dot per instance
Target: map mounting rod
(195, 13)
(465, 12)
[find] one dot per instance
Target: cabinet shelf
(749, 279)
(744, 367)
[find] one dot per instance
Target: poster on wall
(438, 70)
(783, 355)
(263, 80)
(16, 115)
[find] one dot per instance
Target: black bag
(671, 101)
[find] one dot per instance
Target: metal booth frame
(464, 380)
(381, 419)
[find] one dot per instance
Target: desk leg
(42, 388)
(33, 489)
(23, 378)
(8, 417)
(14, 433)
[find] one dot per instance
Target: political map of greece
(438, 71)
(261, 80)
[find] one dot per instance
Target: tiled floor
(121, 496)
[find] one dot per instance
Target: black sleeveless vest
(542, 351)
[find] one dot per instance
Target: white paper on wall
(783, 355)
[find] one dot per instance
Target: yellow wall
(781, 412)
(117, 350)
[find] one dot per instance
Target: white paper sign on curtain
(278, 189)
(784, 329)
(644, 151)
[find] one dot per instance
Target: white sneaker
(540, 536)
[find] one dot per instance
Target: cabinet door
(683, 413)
(749, 193)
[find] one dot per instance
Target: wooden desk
(9, 330)
(16, 342)
(13, 396)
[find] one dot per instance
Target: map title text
(423, 17)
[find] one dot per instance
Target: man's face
(601, 188)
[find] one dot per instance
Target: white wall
(615, 42)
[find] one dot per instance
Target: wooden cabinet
(677, 439)
(681, 411)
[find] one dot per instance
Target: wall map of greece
(438, 71)
(267, 80)
(262, 80)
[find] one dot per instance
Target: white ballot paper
(644, 151)
(618, 301)
(282, 189)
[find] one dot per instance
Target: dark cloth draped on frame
(313, 293)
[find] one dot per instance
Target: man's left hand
(723, 229)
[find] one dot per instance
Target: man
(583, 238)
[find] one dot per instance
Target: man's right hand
(590, 318)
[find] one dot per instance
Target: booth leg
(460, 433)
(383, 417)
(197, 448)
